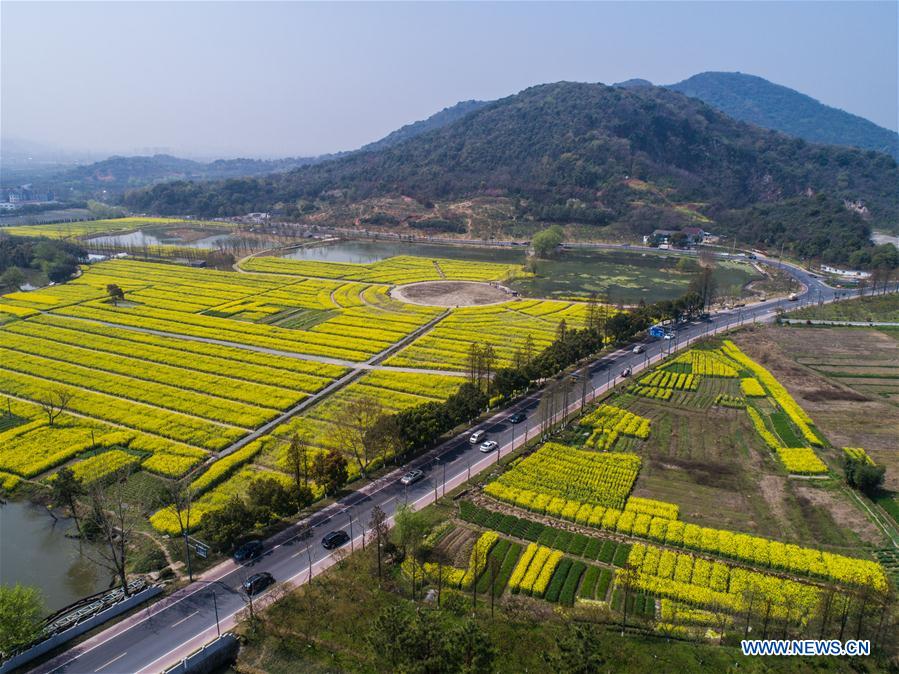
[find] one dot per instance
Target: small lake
(367, 252)
(620, 275)
(157, 237)
(35, 551)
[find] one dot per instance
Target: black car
(335, 539)
(258, 582)
(517, 418)
(248, 552)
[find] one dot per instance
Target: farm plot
(273, 373)
(571, 474)
(166, 521)
(379, 391)
(394, 270)
(811, 361)
(69, 230)
(508, 328)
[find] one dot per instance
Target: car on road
(258, 582)
(248, 552)
(489, 446)
(412, 477)
(335, 539)
(793, 297)
(669, 335)
(477, 436)
(517, 418)
(639, 348)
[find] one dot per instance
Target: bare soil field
(728, 478)
(851, 410)
(450, 293)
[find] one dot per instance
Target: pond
(625, 276)
(187, 238)
(367, 252)
(35, 551)
(628, 276)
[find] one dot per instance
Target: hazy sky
(279, 79)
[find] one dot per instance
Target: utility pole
(215, 605)
(349, 515)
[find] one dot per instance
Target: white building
(845, 273)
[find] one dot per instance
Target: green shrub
(569, 588)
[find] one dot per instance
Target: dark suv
(248, 552)
(258, 582)
(335, 539)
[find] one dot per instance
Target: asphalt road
(167, 631)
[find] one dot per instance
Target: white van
(477, 436)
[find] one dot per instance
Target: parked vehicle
(412, 477)
(248, 552)
(335, 539)
(489, 446)
(258, 582)
(639, 348)
(477, 436)
(517, 418)
(626, 372)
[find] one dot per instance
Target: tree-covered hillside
(436, 121)
(757, 101)
(559, 142)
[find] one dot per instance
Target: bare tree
(488, 358)
(298, 460)
(178, 497)
(54, 402)
(116, 512)
(383, 437)
(475, 363)
(529, 349)
(352, 434)
(378, 526)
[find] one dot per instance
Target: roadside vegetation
(581, 541)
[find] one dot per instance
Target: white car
(639, 348)
(411, 477)
(669, 335)
(489, 446)
(477, 436)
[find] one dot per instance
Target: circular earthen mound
(450, 293)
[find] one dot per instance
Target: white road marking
(118, 657)
(187, 617)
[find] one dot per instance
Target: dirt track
(450, 293)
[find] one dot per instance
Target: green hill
(570, 152)
(757, 101)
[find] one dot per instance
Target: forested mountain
(757, 101)
(573, 152)
(435, 121)
(112, 176)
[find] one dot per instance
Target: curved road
(163, 633)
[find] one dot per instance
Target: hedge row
(605, 551)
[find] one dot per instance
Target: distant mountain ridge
(757, 101)
(116, 174)
(571, 152)
(744, 97)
